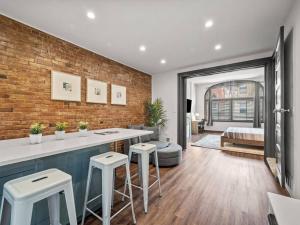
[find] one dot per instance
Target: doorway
(227, 102)
(265, 63)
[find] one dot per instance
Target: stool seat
(109, 158)
(143, 147)
(34, 184)
(21, 194)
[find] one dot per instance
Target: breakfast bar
(19, 158)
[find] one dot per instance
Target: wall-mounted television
(188, 105)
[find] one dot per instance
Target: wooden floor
(208, 188)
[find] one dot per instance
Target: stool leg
(21, 213)
(69, 196)
(113, 188)
(145, 176)
(88, 183)
(107, 179)
(54, 209)
(130, 191)
(4, 212)
(140, 169)
(125, 186)
(157, 172)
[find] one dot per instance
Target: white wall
(164, 86)
(293, 22)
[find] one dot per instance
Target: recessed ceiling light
(218, 47)
(209, 23)
(91, 15)
(143, 48)
(163, 61)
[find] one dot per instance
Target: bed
(243, 135)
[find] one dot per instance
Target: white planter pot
(83, 133)
(35, 138)
(60, 135)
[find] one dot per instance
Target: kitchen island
(19, 158)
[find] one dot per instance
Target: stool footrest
(139, 187)
(138, 174)
(113, 216)
(124, 207)
(93, 199)
(94, 214)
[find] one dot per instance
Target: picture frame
(65, 87)
(118, 95)
(96, 91)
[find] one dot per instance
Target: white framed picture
(118, 95)
(96, 91)
(65, 87)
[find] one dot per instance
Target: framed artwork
(96, 91)
(65, 87)
(118, 95)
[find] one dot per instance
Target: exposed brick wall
(27, 57)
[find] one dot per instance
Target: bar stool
(107, 162)
(144, 150)
(23, 192)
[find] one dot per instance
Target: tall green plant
(156, 113)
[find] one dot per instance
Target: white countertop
(20, 150)
(286, 210)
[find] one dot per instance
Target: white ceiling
(170, 29)
(256, 74)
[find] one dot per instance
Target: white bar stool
(107, 162)
(23, 192)
(144, 150)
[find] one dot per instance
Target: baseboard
(213, 131)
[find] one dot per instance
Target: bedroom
(225, 111)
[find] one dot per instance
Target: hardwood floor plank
(210, 187)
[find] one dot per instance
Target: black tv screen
(188, 105)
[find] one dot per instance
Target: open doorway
(225, 111)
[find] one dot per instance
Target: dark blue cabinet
(74, 163)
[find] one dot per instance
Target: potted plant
(60, 130)
(156, 113)
(36, 130)
(83, 128)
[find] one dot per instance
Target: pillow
(146, 138)
(155, 135)
(136, 127)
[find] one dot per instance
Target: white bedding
(243, 133)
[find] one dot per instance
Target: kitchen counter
(20, 150)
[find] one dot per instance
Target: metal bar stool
(107, 163)
(23, 192)
(144, 150)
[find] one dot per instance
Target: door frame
(267, 63)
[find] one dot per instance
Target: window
(234, 101)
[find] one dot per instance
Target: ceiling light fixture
(143, 48)
(91, 15)
(163, 61)
(218, 47)
(209, 23)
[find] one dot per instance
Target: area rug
(209, 141)
(214, 142)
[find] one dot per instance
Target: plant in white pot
(156, 114)
(60, 130)
(36, 130)
(83, 128)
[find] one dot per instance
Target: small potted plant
(60, 130)
(83, 128)
(36, 130)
